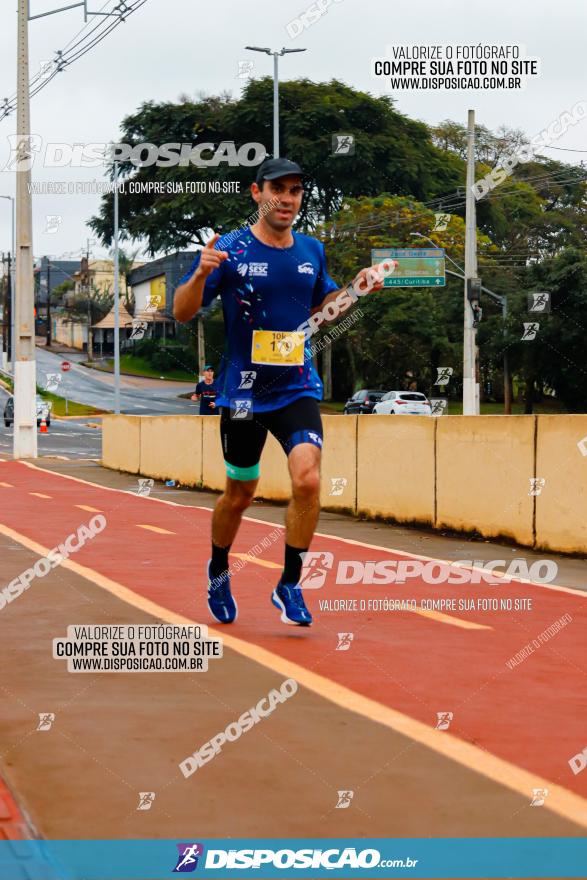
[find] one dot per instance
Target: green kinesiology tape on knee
(243, 473)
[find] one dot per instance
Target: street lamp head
(259, 49)
(289, 51)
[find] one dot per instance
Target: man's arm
(188, 297)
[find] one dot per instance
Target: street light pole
(275, 89)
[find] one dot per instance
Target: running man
(206, 393)
(270, 280)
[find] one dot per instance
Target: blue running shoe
(220, 602)
(288, 598)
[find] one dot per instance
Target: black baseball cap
(271, 169)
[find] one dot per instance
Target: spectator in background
(206, 393)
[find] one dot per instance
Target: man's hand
(210, 258)
(195, 397)
(212, 405)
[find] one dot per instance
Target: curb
(13, 825)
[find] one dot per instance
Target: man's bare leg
(229, 510)
(303, 509)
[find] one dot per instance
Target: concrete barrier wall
(561, 461)
(467, 473)
(121, 443)
(395, 467)
(180, 439)
(483, 470)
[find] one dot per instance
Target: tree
(392, 152)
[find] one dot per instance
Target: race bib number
(278, 347)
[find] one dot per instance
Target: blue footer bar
(281, 858)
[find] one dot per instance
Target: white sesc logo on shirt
(306, 268)
(258, 269)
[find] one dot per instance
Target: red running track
(534, 715)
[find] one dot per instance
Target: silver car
(43, 409)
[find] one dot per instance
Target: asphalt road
(92, 388)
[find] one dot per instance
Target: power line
(63, 58)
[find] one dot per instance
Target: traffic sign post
(65, 366)
(416, 267)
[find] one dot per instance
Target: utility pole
(90, 344)
(48, 342)
(25, 420)
(116, 300)
(201, 346)
(470, 386)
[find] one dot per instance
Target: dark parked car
(362, 402)
(43, 409)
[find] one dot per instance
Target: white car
(403, 403)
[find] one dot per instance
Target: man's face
(285, 195)
(208, 375)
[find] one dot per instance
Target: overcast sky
(169, 47)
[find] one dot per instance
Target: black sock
(219, 561)
(293, 564)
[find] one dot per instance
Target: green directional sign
(417, 267)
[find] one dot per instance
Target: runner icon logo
(247, 379)
(443, 720)
(344, 641)
(315, 566)
(187, 860)
(46, 719)
(344, 800)
(241, 409)
(538, 796)
(146, 799)
(338, 485)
